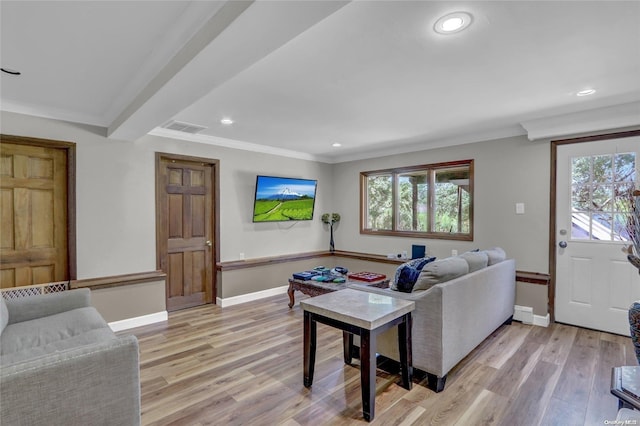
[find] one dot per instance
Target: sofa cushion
(4, 314)
(413, 263)
(476, 260)
(441, 271)
(51, 330)
(30, 353)
(496, 255)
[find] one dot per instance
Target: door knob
(562, 244)
(208, 242)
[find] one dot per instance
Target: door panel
(595, 284)
(185, 233)
(33, 202)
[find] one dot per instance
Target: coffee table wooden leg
(347, 343)
(368, 373)
(309, 344)
(405, 348)
(290, 293)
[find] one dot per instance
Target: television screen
(281, 199)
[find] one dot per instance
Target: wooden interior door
(33, 208)
(186, 240)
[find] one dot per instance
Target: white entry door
(595, 284)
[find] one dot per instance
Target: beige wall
(130, 301)
(237, 282)
(116, 204)
(507, 171)
(116, 197)
(532, 295)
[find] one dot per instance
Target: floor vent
(181, 126)
(18, 292)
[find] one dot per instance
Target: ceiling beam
(240, 34)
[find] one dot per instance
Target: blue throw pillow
(407, 279)
(413, 263)
(423, 262)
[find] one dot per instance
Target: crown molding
(593, 120)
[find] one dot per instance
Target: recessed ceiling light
(226, 121)
(586, 92)
(453, 23)
(336, 145)
(10, 71)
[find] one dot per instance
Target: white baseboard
(249, 297)
(542, 321)
(139, 321)
(525, 315)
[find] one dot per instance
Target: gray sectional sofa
(452, 317)
(60, 364)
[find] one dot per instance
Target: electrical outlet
(241, 256)
(454, 252)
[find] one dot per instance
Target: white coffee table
(366, 315)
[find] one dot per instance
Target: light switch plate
(519, 208)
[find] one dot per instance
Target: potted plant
(330, 219)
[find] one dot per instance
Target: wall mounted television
(279, 199)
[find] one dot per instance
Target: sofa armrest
(91, 384)
(32, 307)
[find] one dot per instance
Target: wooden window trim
(431, 169)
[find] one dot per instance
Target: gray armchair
(60, 364)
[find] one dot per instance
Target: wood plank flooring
(242, 365)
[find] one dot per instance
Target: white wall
(115, 197)
(507, 171)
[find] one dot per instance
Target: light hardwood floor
(242, 365)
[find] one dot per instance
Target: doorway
(37, 205)
(187, 228)
(593, 284)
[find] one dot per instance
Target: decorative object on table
(367, 276)
(633, 255)
(633, 228)
(634, 327)
(304, 275)
(330, 219)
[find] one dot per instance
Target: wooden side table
(625, 384)
(366, 315)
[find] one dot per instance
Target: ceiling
(298, 76)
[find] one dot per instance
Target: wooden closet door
(33, 209)
(185, 237)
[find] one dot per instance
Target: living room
(116, 211)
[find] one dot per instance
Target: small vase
(332, 246)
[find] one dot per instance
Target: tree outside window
(600, 185)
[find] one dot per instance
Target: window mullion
(431, 200)
(395, 202)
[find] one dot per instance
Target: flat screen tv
(279, 199)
